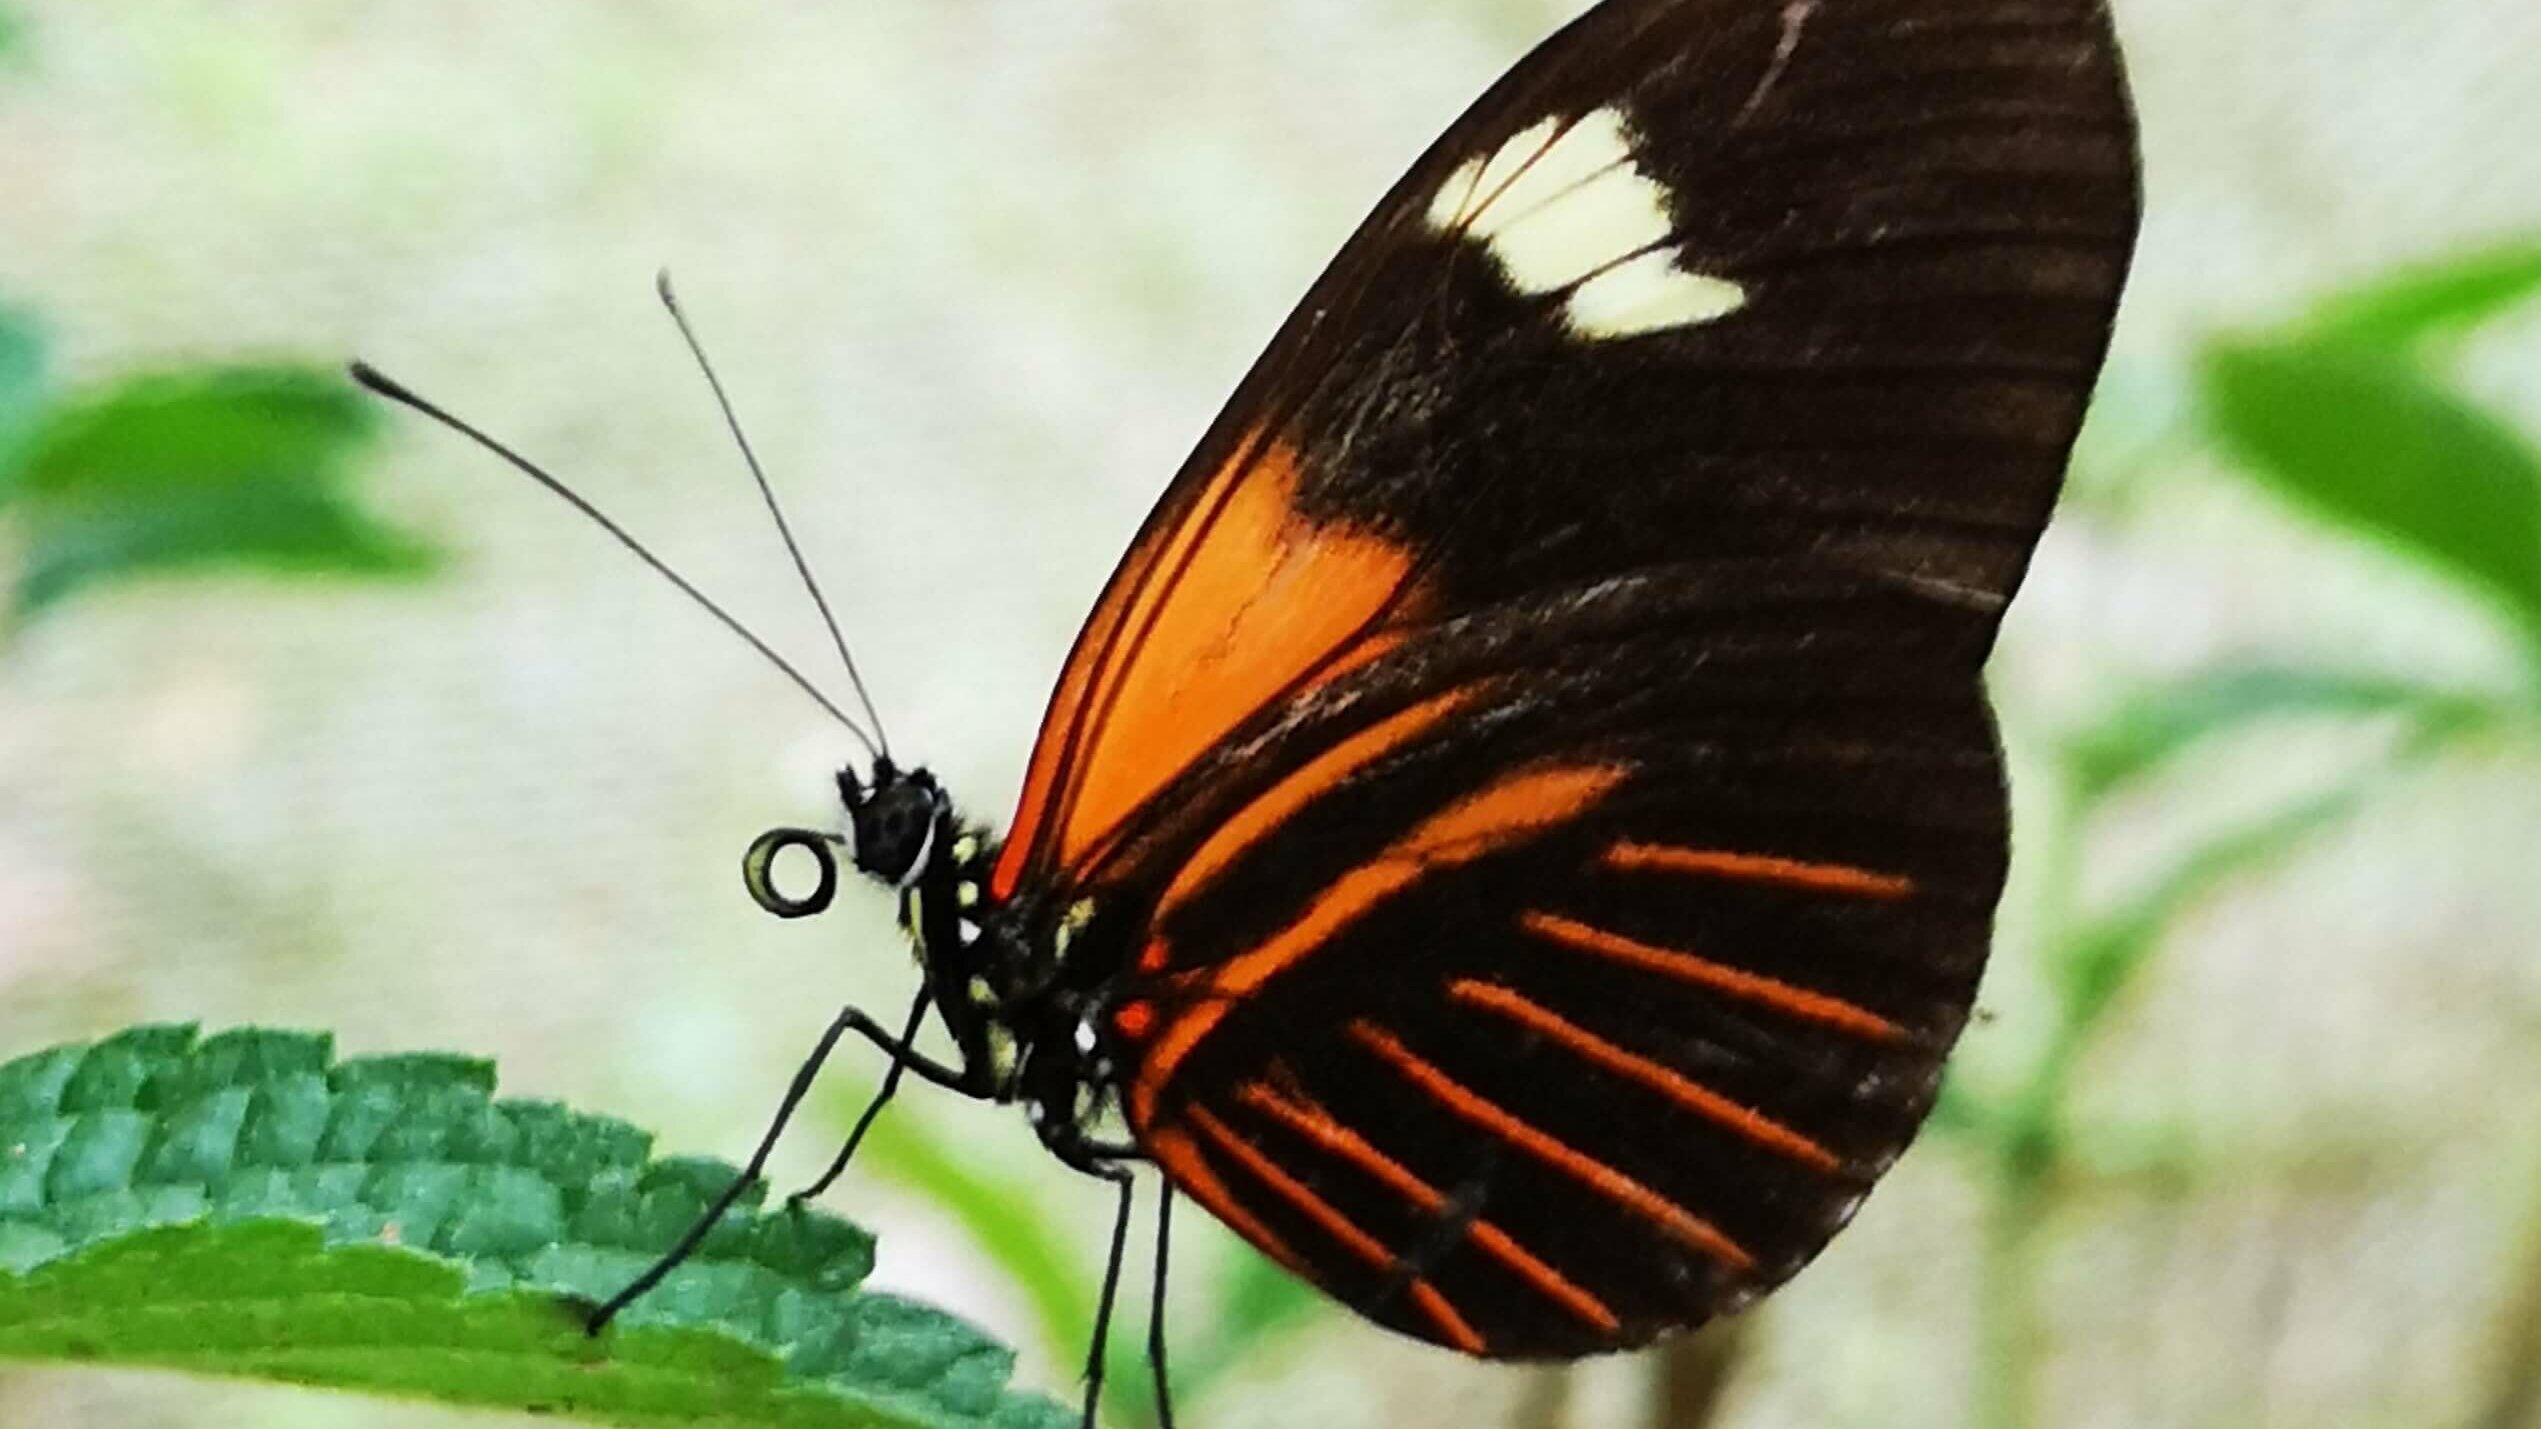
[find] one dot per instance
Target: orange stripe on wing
(1614, 1185)
(1784, 997)
(1311, 781)
(1754, 1125)
(1175, 1152)
(1761, 868)
(1523, 803)
(1315, 1125)
(1358, 1242)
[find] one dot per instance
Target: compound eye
(758, 871)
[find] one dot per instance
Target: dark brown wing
(1531, 772)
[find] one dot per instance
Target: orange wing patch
(1201, 626)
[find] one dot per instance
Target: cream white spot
(1473, 186)
(1648, 293)
(1568, 210)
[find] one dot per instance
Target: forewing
(1700, 281)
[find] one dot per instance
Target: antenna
(395, 391)
(767, 493)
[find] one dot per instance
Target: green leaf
(2151, 728)
(279, 530)
(21, 381)
(2433, 300)
(247, 1206)
(190, 429)
(2369, 441)
(227, 468)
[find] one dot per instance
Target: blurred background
(311, 716)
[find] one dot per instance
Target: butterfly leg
(901, 1059)
(1156, 1308)
(1121, 1178)
(848, 1020)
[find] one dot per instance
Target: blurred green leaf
(21, 382)
(245, 1205)
(191, 429)
(2148, 730)
(2433, 300)
(1961, 1112)
(1258, 1304)
(1031, 1245)
(275, 530)
(225, 468)
(2372, 442)
(2097, 965)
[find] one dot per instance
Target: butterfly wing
(1531, 770)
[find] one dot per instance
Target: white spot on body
(1085, 1038)
(1568, 210)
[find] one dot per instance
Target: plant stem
(1695, 1372)
(2513, 1397)
(2007, 1336)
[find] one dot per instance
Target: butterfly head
(893, 829)
(893, 821)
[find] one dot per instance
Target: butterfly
(1518, 834)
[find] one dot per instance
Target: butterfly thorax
(1026, 1028)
